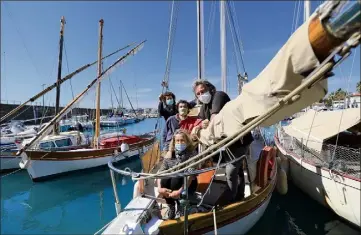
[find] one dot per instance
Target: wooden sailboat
(142, 215)
(42, 162)
(326, 169)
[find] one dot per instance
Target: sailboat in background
(48, 155)
(320, 152)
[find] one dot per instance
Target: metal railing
(339, 158)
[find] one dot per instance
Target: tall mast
(307, 9)
(97, 114)
(60, 60)
(200, 37)
(222, 18)
(121, 95)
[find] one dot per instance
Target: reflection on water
(83, 202)
(78, 203)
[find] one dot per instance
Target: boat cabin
(63, 141)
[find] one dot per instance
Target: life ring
(266, 166)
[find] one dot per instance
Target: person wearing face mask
(181, 149)
(167, 105)
(212, 103)
(179, 121)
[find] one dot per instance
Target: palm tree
(358, 87)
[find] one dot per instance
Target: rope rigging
(21, 38)
(347, 92)
(171, 33)
(67, 66)
(236, 36)
(236, 56)
(210, 28)
(316, 75)
(126, 93)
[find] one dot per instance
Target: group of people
(180, 137)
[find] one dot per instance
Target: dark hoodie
(166, 111)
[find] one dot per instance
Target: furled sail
(301, 54)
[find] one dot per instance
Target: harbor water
(83, 202)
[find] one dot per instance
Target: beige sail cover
(313, 128)
(282, 73)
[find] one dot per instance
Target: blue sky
(30, 34)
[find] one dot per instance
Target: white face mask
(183, 111)
(205, 98)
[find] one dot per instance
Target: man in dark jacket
(212, 102)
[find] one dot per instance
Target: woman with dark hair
(167, 105)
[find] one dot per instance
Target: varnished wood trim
(235, 211)
(80, 155)
(151, 158)
(321, 41)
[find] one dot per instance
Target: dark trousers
(234, 171)
(176, 184)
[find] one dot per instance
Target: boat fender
(282, 185)
(136, 192)
(124, 147)
(285, 164)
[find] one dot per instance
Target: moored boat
(42, 163)
(43, 158)
(326, 169)
(143, 214)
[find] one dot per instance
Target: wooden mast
(60, 60)
(200, 41)
(97, 115)
(222, 21)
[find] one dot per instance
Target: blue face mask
(169, 102)
(180, 147)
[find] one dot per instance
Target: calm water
(82, 203)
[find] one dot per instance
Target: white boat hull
(9, 162)
(337, 192)
(38, 169)
(243, 225)
(129, 219)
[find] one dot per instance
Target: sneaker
(171, 212)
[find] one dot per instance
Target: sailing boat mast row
(49, 88)
(97, 115)
(42, 162)
(60, 61)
